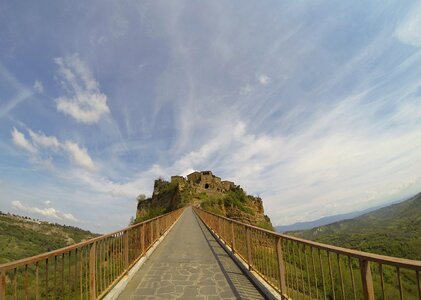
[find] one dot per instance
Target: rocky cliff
(207, 191)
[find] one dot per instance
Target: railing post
(281, 266)
(248, 243)
(215, 223)
(142, 233)
(3, 285)
(223, 230)
(92, 267)
(152, 238)
(367, 280)
(232, 237)
(126, 249)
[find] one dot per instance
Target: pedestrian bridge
(193, 254)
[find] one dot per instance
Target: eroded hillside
(23, 237)
(207, 191)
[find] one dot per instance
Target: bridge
(193, 254)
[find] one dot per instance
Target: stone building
(205, 181)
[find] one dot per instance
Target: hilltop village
(204, 181)
(205, 190)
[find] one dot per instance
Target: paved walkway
(190, 264)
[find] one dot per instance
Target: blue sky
(313, 105)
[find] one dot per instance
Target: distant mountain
(22, 237)
(394, 230)
(320, 222)
(329, 219)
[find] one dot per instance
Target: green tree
(141, 198)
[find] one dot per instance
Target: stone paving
(190, 264)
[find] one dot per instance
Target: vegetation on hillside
(235, 203)
(236, 197)
(394, 230)
(22, 237)
(230, 204)
(152, 213)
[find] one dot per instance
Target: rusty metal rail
(302, 269)
(87, 270)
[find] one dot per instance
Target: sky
(315, 106)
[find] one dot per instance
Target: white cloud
(79, 156)
(17, 205)
(84, 102)
(47, 212)
(42, 140)
(20, 141)
(38, 86)
(409, 31)
(69, 216)
(264, 79)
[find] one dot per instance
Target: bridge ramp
(190, 264)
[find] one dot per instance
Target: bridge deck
(190, 264)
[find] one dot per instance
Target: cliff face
(165, 198)
(207, 191)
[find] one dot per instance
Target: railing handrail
(45, 255)
(390, 260)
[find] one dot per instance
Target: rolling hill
(22, 237)
(394, 230)
(320, 222)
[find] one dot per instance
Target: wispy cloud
(409, 30)
(42, 140)
(264, 79)
(84, 102)
(46, 212)
(78, 155)
(348, 167)
(38, 86)
(20, 92)
(20, 141)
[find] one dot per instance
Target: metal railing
(87, 270)
(302, 269)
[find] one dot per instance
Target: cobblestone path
(190, 264)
